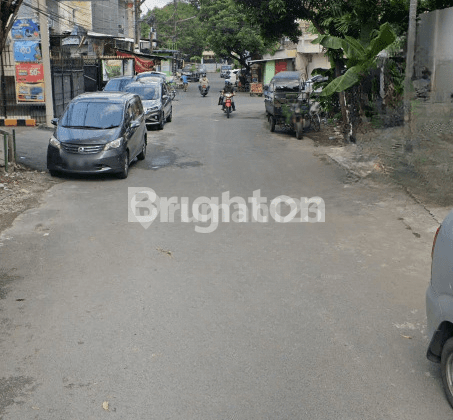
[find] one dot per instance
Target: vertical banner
(29, 72)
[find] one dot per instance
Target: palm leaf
(385, 38)
(350, 78)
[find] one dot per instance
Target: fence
(67, 82)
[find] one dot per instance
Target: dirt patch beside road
(19, 191)
(426, 172)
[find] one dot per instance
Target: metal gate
(67, 82)
(92, 75)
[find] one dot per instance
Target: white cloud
(151, 4)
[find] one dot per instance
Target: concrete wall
(306, 63)
(74, 13)
(106, 17)
(434, 50)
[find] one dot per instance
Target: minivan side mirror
(54, 121)
(135, 124)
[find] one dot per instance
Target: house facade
(303, 56)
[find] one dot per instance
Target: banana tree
(361, 57)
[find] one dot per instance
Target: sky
(151, 4)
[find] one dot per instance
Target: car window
(116, 85)
(135, 109)
(287, 85)
(93, 114)
(129, 113)
(140, 106)
(145, 91)
(112, 86)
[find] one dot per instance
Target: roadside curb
(13, 122)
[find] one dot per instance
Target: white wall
(434, 50)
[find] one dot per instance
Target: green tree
(228, 33)
(361, 56)
(356, 19)
(178, 27)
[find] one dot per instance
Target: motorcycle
(204, 90)
(227, 105)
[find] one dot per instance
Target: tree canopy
(186, 35)
(228, 33)
(356, 18)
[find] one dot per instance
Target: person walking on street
(185, 82)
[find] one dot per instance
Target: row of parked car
(104, 131)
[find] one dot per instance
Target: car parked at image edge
(99, 132)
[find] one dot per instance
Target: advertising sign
(30, 92)
(112, 68)
(25, 29)
(141, 64)
(29, 72)
(27, 51)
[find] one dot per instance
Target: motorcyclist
(229, 88)
(203, 82)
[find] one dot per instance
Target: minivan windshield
(146, 92)
(93, 115)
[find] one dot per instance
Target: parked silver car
(439, 304)
(156, 101)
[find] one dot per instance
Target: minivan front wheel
(446, 366)
(125, 171)
(142, 154)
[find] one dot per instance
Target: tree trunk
(8, 12)
(344, 113)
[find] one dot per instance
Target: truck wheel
(271, 123)
(299, 130)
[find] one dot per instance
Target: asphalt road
(252, 321)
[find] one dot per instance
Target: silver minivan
(439, 304)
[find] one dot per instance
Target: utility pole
(44, 29)
(409, 72)
(175, 3)
(137, 23)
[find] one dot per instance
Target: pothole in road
(161, 157)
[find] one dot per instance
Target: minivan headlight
(54, 142)
(114, 144)
(152, 109)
